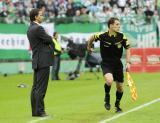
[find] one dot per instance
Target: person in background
(57, 59)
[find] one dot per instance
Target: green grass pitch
(79, 101)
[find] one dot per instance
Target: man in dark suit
(43, 52)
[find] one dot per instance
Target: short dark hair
(54, 34)
(111, 21)
(33, 13)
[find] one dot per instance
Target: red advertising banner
(137, 60)
(152, 59)
(145, 60)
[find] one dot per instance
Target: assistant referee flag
(132, 86)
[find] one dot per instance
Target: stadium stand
(83, 11)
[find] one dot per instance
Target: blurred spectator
(93, 7)
(86, 3)
(70, 11)
(112, 2)
(121, 4)
(158, 7)
(109, 13)
(84, 18)
(156, 16)
(101, 15)
(67, 11)
(21, 13)
(40, 4)
(116, 11)
(128, 15)
(139, 19)
(148, 14)
(0, 5)
(61, 11)
(51, 7)
(34, 4)
(4, 12)
(92, 17)
(77, 18)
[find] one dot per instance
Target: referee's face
(116, 26)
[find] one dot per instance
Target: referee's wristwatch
(129, 62)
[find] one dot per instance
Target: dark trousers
(55, 68)
(39, 88)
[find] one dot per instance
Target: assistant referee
(112, 43)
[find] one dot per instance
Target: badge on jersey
(119, 45)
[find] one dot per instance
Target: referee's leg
(119, 78)
(107, 87)
(119, 94)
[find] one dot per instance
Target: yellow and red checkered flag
(131, 86)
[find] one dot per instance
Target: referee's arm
(89, 44)
(127, 47)
(128, 54)
(128, 63)
(93, 38)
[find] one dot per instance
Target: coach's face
(39, 17)
(116, 26)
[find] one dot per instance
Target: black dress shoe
(43, 115)
(40, 115)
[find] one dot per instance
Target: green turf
(79, 101)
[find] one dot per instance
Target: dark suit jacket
(42, 46)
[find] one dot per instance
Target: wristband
(129, 62)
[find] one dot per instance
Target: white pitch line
(40, 119)
(134, 109)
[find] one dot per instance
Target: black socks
(107, 95)
(107, 88)
(118, 98)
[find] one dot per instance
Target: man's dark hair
(33, 13)
(111, 21)
(54, 34)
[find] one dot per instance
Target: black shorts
(115, 68)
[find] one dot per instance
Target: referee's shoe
(118, 109)
(107, 106)
(107, 102)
